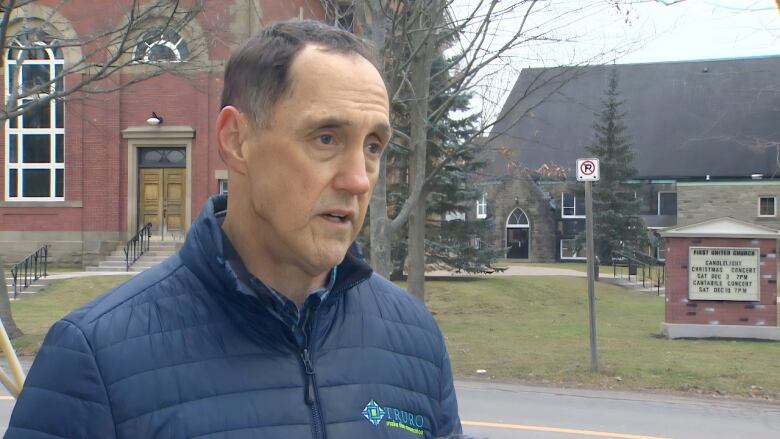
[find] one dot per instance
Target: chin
(324, 259)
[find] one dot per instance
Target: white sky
(695, 29)
(596, 31)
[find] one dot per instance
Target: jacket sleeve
(449, 421)
(64, 394)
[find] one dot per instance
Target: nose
(352, 175)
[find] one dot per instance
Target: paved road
(548, 413)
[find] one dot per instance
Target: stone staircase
(35, 287)
(634, 284)
(158, 252)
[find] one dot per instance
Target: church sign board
(724, 273)
(721, 280)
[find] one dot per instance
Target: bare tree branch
(105, 52)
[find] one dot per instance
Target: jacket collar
(203, 254)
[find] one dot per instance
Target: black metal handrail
(627, 257)
(137, 245)
(30, 269)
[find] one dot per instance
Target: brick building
(82, 173)
(706, 136)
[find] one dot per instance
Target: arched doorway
(518, 235)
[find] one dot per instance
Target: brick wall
(95, 153)
(679, 309)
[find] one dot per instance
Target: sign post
(588, 171)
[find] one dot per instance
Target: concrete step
(166, 243)
(25, 291)
(149, 253)
(161, 249)
(114, 269)
(33, 288)
(648, 287)
(120, 266)
(158, 252)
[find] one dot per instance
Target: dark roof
(686, 119)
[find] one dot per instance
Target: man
(263, 325)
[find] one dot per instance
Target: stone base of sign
(676, 330)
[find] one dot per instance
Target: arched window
(161, 45)
(517, 218)
(34, 139)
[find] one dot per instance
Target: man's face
(312, 170)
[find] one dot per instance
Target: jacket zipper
(310, 396)
(310, 383)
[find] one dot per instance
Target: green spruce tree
(455, 245)
(616, 221)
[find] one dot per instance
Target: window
(569, 249)
(571, 207)
(767, 206)
(164, 157)
(667, 203)
(35, 140)
(161, 45)
(517, 218)
(223, 186)
(482, 207)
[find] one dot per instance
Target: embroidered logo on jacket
(373, 413)
(396, 418)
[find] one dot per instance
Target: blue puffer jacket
(179, 351)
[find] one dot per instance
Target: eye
(374, 148)
(326, 139)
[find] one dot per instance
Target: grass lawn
(36, 314)
(535, 330)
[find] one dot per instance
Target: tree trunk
(420, 81)
(416, 249)
(373, 24)
(5, 306)
(380, 258)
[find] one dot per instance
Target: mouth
(338, 217)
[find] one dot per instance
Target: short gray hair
(257, 74)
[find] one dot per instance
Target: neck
(285, 278)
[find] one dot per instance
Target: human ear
(231, 132)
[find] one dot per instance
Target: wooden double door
(161, 201)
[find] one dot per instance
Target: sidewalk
(518, 270)
(72, 274)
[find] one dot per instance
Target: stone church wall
(519, 191)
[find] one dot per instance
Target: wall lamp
(154, 119)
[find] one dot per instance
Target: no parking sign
(588, 170)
